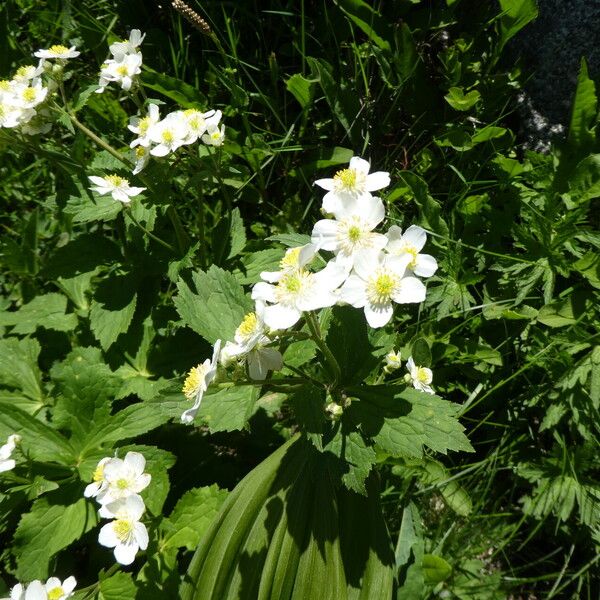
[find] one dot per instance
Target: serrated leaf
(47, 529)
(46, 310)
(19, 368)
(192, 515)
(228, 409)
(308, 404)
(257, 262)
(88, 210)
(213, 305)
(112, 308)
(357, 456)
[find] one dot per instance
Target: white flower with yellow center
(420, 377)
(34, 591)
(28, 72)
(123, 478)
(57, 590)
(99, 483)
(350, 184)
(351, 232)
(6, 462)
(29, 96)
(393, 361)
(125, 47)
(57, 52)
(250, 341)
(169, 134)
(122, 72)
(379, 280)
(294, 258)
(297, 291)
(214, 136)
(13, 116)
(118, 187)
(126, 534)
(410, 243)
(197, 382)
(141, 126)
(141, 156)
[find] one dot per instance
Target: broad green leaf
(584, 184)
(564, 312)
(192, 515)
(301, 88)
(421, 352)
(488, 133)
(88, 210)
(583, 117)
(291, 239)
(433, 472)
(213, 305)
(228, 409)
(112, 308)
(458, 100)
(376, 27)
(119, 586)
(228, 237)
(38, 440)
(184, 94)
(19, 367)
(430, 209)
(410, 545)
(308, 404)
(257, 262)
(515, 15)
(47, 529)
(435, 569)
(46, 310)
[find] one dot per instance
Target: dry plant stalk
(192, 17)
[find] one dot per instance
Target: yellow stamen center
(346, 178)
(58, 49)
(98, 475)
(380, 288)
(115, 180)
(29, 94)
(24, 71)
(140, 152)
(167, 136)
(122, 484)
(354, 233)
(5, 85)
(122, 529)
(193, 382)
(290, 259)
(248, 325)
(143, 125)
(122, 70)
(423, 375)
(56, 593)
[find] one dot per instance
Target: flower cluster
(6, 462)
(366, 269)
(116, 486)
(160, 137)
(53, 589)
(125, 64)
(419, 377)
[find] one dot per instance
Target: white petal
(318, 298)
(271, 276)
(332, 203)
(279, 316)
(91, 490)
(134, 191)
(263, 360)
(135, 461)
(326, 184)
(325, 234)
(142, 482)
(415, 236)
(378, 315)
(426, 265)
(135, 507)
(264, 291)
(306, 254)
(371, 210)
(52, 582)
(367, 262)
(332, 276)
(354, 292)
(7, 465)
(141, 535)
(160, 150)
(98, 180)
(125, 553)
(36, 591)
(377, 181)
(410, 290)
(69, 584)
(359, 164)
(107, 536)
(121, 196)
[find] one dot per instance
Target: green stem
(149, 233)
(313, 325)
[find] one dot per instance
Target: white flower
(214, 135)
(198, 122)
(6, 462)
(169, 134)
(141, 126)
(13, 116)
(197, 382)
(298, 290)
(410, 244)
(121, 49)
(29, 96)
(420, 377)
(17, 592)
(28, 72)
(117, 187)
(351, 183)
(99, 483)
(57, 51)
(377, 281)
(125, 534)
(123, 478)
(141, 156)
(250, 341)
(352, 230)
(34, 591)
(294, 258)
(123, 72)
(57, 590)
(393, 361)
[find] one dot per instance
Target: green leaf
(584, 184)
(46, 310)
(430, 209)
(515, 15)
(421, 352)
(403, 420)
(213, 305)
(435, 569)
(376, 27)
(19, 368)
(47, 529)
(38, 440)
(301, 88)
(228, 409)
(192, 515)
(583, 118)
(228, 237)
(112, 308)
(308, 404)
(173, 88)
(88, 210)
(564, 312)
(117, 587)
(458, 100)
